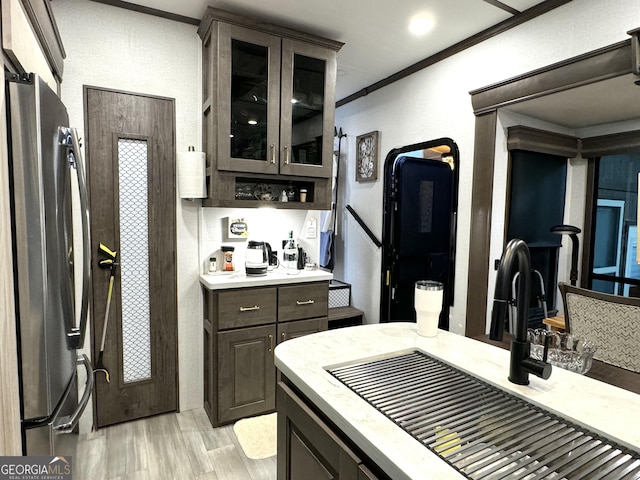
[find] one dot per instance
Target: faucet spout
(521, 363)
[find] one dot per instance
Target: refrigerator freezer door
(58, 435)
(42, 440)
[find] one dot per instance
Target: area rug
(257, 436)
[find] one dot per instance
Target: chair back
(611, 322)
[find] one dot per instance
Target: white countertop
(600, 407)
(279, 276)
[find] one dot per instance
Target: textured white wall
(435, 103)
(119, 49)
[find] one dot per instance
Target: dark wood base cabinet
(309, 448)
(246, 372)
(241, 329)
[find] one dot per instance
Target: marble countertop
(278, 276)
(600, 407)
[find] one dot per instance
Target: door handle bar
(69, 138)
(69, 422)
(249, 309)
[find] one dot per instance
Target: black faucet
(521, 364)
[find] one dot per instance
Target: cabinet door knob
(286, 154)
(249, 309)
(273, 153)
(305, 302)
(284, 336)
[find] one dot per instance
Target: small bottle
(283, 196)
(290, 254)
(212, 265)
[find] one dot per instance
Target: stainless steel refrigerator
(44, 156)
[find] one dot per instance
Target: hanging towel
(328, 223)
(326, 238)
(326, 250)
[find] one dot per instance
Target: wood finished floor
(167, 447)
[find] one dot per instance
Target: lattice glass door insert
(134, 260)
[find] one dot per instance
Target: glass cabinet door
(307, 109)
(249, 94)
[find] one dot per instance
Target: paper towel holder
(191, 174)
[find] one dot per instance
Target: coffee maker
(257, 258)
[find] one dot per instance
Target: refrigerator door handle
(68, 423)
(69, 138)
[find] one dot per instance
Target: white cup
(428, 305)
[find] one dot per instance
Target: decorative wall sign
(237, 228)
(367, 157)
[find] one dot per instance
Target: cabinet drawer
(246, 307)
(303, 301)
(289, 330)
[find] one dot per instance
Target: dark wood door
(246, 372)
(307, 447)
(130, 149)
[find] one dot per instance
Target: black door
(419, 226)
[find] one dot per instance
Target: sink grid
(480, 430)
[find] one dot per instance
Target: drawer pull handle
(249, 309)
(273, 153)
(305, 302)
(270, 343)
(284, 336)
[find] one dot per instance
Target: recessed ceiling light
(294, 101)
(421, 24)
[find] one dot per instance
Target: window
(614, 267)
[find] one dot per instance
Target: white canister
(428, 305)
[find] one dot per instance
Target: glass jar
(227, 262)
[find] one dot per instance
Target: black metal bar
(364, 226)
(615, 279)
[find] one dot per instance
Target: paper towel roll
(191, 174)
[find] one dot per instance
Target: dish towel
(326, 238)
(328, 223)
(326, 249)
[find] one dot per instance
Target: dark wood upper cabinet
(268, 112)
(43, 27)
